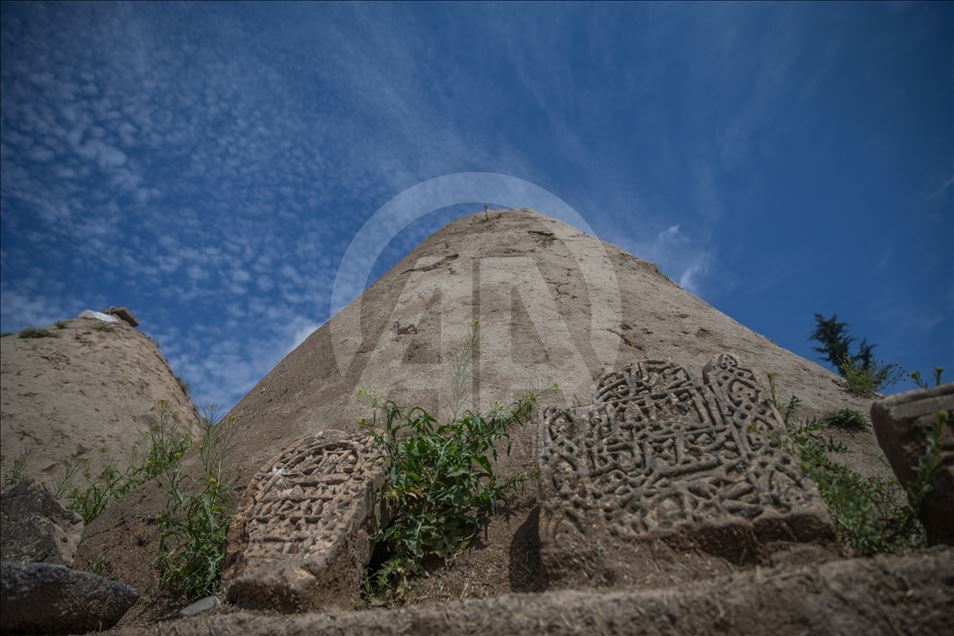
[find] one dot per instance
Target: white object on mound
(89, 313)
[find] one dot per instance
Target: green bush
(60, 324)
(165, 445)
(871, 514)
(442, 486)
(193, 528)
(867, 380)
(848, 419)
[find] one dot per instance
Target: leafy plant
(869, 512)
(194, 526)
(31, 332)
(442, 486)
(165, 444)
(60, 324)
(848, 419)
(866, 380)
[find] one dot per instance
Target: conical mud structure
(84, 394)
(657, 498)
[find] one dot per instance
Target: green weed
(60, 324)
(12, 471)
(922, 383)
(867, 380)
(870, 513)
(847, 419)
(165, 445)
(193, 528)
(442, 486)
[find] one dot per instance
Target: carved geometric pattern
(658, 456)
(305, 519)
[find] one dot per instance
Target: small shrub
(30, 332)
(870, 513)
(867, 380)
(848, 419)
(193, 528)
(442, 486)
(60, 324)
(165, 444)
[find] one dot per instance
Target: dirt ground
(911, 594)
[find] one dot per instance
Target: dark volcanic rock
(40, 598)
(35, 527)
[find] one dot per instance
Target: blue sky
(208, 165)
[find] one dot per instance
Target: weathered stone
(902, 423)
(200, 606)
(301, 536)
(660, 457)
(882, 596)
(124, 314)
(41, 598)
(36, 527)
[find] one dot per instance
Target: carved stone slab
(661, 457)
(300, 536)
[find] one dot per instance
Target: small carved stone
(300, 538)
(902, 423)
(660, 457)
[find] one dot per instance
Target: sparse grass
(442, 486)
(60, 324)
(101, 567)
(31, 332)
(847, 419)
(105, 327)
(870, 513)
(5, 334)
(12, 470)
(165, 444)
(194, 526)
(868, 380)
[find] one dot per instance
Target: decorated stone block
(660, 457)
(300, 538)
